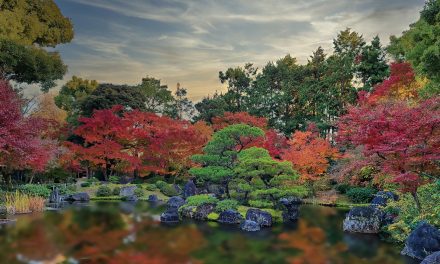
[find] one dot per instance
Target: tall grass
(20, 203)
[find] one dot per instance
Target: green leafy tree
(266, 178)
(182, 107)
(28, 27)
(420, 46)
(107, 95)
(372, 67)
(210, 107)
(220, 154)
(239, 81)
(156, 96)
(72, 94)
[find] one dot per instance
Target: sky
(122, 41)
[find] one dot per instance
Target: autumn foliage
(229, 118)
(401, 85)
(309, 154)
(21, 144)
(136, 142)
(406, 139)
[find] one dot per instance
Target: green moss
(213, 216)
(97, 198)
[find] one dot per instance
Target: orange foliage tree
(309, 154)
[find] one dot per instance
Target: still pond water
(119, 232)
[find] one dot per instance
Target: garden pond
(123, 232)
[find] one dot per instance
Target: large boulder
(127, 191)
(291, 208)
(264, 219)
(171, 215)
(78, 197)
(381, 198)
(176, 202)
(216, 189)
(188, 211)
(434, 258)
(130, 198)
(153, 198)
(202, 211)
(363, 220)
(230, 217)
(250, 226)
(423, 241)
(189, 189)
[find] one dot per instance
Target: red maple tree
(405, 138)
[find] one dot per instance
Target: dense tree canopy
(27, 26)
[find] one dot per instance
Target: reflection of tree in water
(103, 234)
(231, 247)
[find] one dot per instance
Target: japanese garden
(333, 157)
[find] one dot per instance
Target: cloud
(191, 41)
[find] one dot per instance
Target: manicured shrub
(139, 192)
(113, 179)
(169, 190)
(103, 191)
(92, 180)
(40, 190)
(226, 205)
(150, 187)
(161, 184)
(260, 203)
(213, 216)
(342, 188)
(200, 199)
(86, 184)
(408, 214)
(116, 190)
(361, 194)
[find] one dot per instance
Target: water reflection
(111, 232)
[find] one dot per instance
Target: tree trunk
(416, 199)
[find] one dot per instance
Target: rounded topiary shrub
(342, 188)
(116, 190)
(103, 191)
(150, 187)
(113, 179)
(228, 204)
(86, 184)
(200, 199)
(139, 192)
(41, 190)
(160, 184)
(361, 194)
(169, 190)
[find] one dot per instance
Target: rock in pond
(78, 197)
(291, 208)
(127, 191)
(130, 198)
(55, 196)
(264, 219)
(153, 198)
(423, 241)
(230, 217)
(381, 198)
(188, 211)
(202, 211)
(171, 215)
(176, 202)
(434, 258)
(250, 226)
(189, 189)
(363, 220)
